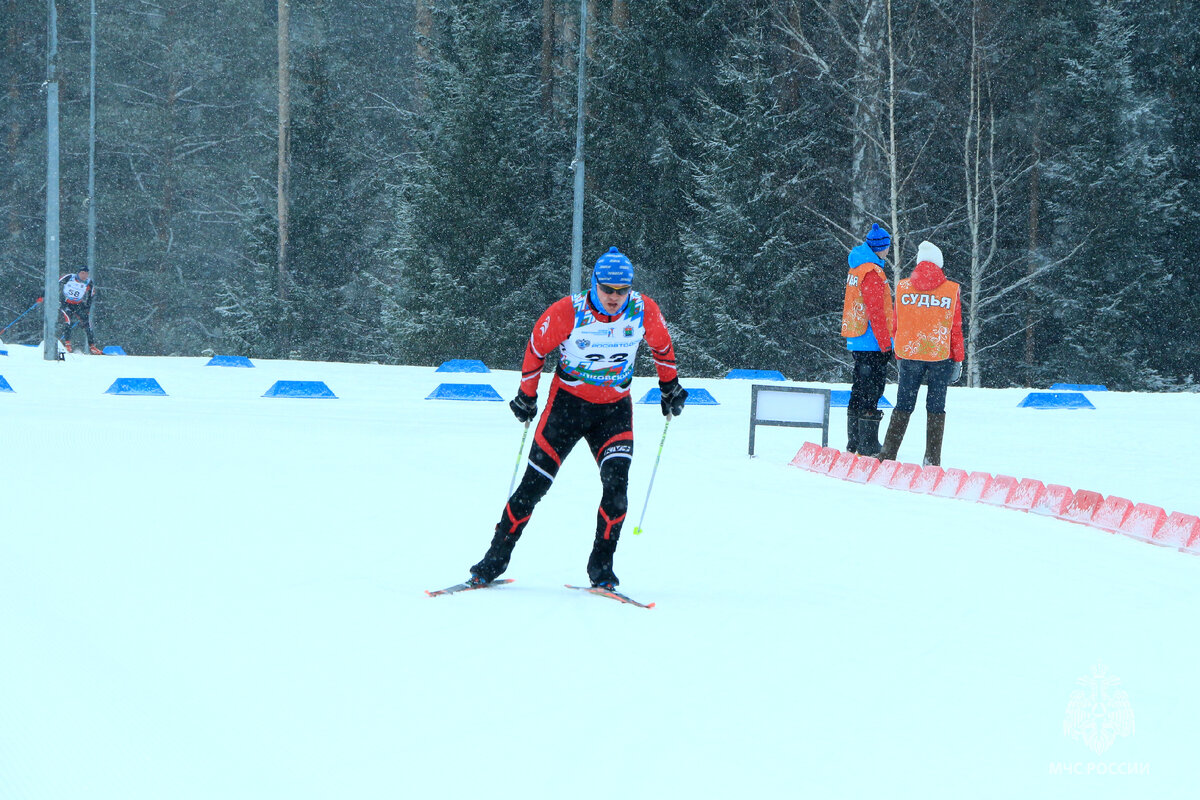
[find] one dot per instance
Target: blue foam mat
(303, 389)
(462, 365)
(4, 387)
(1079, 387)
(229, 361)
(840, 398)
(696, 397)
(1055, 400)
(755, 375)
(136, 386)
(114, 350)
(464, 391)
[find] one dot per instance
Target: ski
(610, 593)
(467, 587)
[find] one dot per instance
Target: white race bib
(602, 353)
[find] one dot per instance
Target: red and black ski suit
(588, 399)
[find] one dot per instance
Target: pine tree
(1111, 187)
(751, 286)
(480, 245)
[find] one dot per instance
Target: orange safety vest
(924, 321)
(854, 310)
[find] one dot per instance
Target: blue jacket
(861, 255)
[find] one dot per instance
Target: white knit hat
(927, 251)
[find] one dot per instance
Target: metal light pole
(91, 221)
(577, 164)
(50, 291)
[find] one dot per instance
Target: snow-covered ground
(219, 595)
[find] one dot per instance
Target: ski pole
(23, 313)
(637, 531)
(520, 451)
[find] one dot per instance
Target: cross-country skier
(76, 293)
(597, 334)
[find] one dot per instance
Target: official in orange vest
(929, 350)
(867, 328)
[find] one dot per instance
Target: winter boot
(495, 561)
(851, 431)
(934, 428)
(868, 433)
(895, 435)
(600, 564)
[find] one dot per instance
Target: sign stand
(789, 407)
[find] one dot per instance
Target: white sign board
(789, 407)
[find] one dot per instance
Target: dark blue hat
(878, 239)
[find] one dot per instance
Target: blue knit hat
(612, 269)
(878, 239)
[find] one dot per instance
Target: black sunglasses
(620, 290)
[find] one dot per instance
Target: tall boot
(495, 560)
(600, 563)
(895, 435)
(868, 433)
(934, 428)
(851, 431)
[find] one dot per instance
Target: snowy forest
(390, 180)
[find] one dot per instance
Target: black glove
(956, 373)
(673, 397)
(524, 407)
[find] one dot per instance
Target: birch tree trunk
(547, 74)
(620, 13)
(982, 198)
(893, 157)
(1035, 204)
(866, 164)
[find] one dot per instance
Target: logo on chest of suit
(628, 331)
(582, 343)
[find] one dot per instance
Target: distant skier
(76, 293)
(929, 350)
(867, 326)
(597, 334)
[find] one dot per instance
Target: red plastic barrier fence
(1144, 522)
(926, 479)
(1053, 501)
(842, 465)
(1082, 507)
(951, 483)
(904, 476)
(1111, 513)
(998, 490)
(806, 455)
(1026, 494)
(863, 469)
(1180, 530)
(974, 486)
